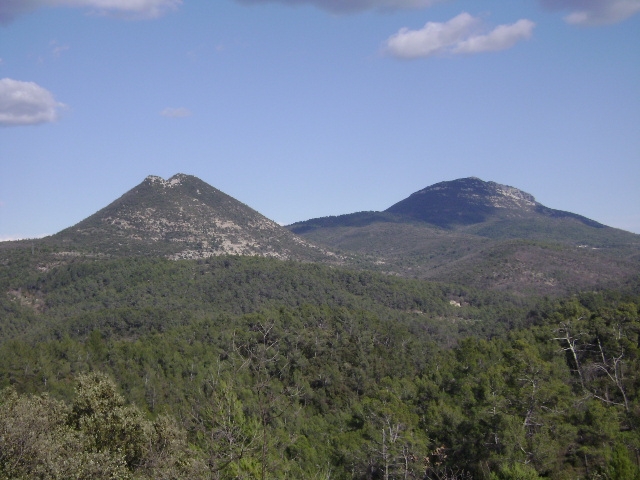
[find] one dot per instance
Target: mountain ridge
(464, 231)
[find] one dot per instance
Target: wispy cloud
(180, 112)
(352, 6)
(57, 49)
(9, 9)
(594, 12)
(26, 103)
(463, 34)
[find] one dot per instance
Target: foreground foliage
(98, 437)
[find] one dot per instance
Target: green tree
(99, 437)
(515, 471)
(36, 442)
(100, 412)
(620, 466)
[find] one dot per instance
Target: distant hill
(183, 217)
(470, 201)
(483, 234)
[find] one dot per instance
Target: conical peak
(184, 217)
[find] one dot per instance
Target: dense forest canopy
(242, 367)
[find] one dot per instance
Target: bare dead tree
(571, 342)
(612, 367)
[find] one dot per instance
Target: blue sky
(308, 108)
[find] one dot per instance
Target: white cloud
(176, 112)
(460, 35)
(432, 39)
(595, 12)
(26, 103)
(9, 9)
(500, 38)
(351, 6)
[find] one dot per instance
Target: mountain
(469, 201)
(455, 205)
(482, 234)
(183, 217)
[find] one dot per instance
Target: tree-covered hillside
(52, 292)
(240, 367)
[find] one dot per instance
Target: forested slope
(258, 368)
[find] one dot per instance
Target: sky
(309, 108)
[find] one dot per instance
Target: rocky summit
(469, 201)
(184, 217)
